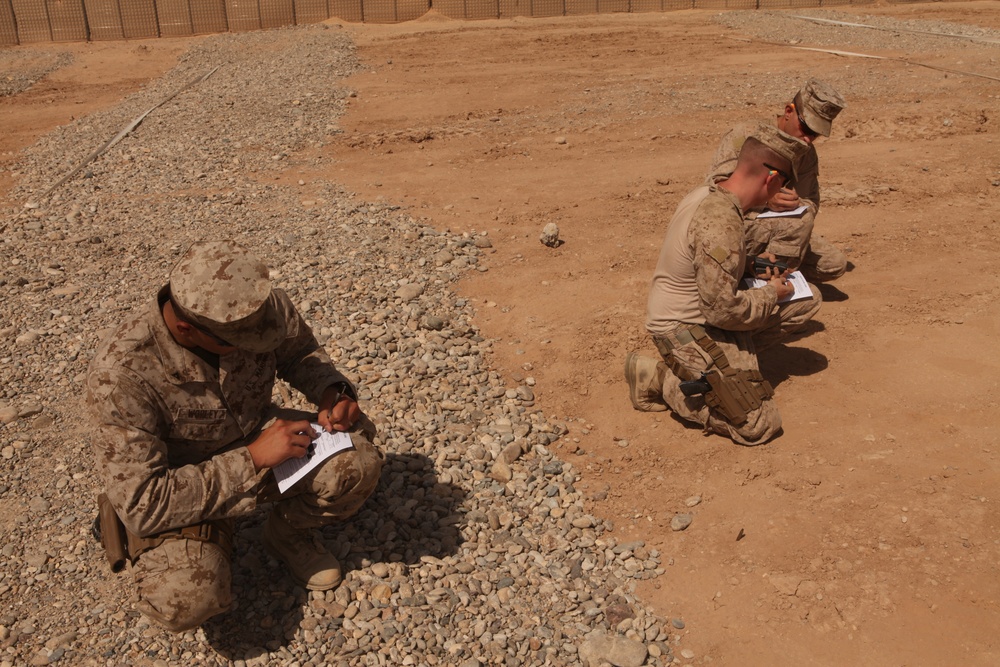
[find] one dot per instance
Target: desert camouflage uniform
(789, 238)
(697, 282)
(173, 426)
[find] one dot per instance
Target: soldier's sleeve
(789, 237)
(302, 362)
(718, 268)
(150, 496)
(807, 183)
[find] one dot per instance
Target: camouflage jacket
(172, 427)
(786, 237)
(698, 274)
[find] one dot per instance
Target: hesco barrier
(27, 21)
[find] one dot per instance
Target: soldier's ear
(184, 327)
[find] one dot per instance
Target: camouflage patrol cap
(819, 104)
(783, 144)
(221, 287)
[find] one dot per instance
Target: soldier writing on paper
(181, 394)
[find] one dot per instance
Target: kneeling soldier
(703, 324)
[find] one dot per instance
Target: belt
(201, 532)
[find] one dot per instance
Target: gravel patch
(476, 548)
(854, 78)
(19, 70)
(906, 35)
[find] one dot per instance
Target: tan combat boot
(307, 560)
(645, 382)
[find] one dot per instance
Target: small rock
(409, 291)
(434, 322)
(501, 471)
(681, 522)
(27, 338)
(511, 452)
(382, 593)
(29, 410)
(786, 584)
(617, 613)
(550, 235)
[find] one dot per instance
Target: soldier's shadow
(830, 293)
(411, 514)
(781, 362)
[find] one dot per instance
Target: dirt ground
(870, 527)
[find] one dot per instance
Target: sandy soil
(870, 528)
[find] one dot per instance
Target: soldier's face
(790, 122)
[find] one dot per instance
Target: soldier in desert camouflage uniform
(791, 239)
(700, 319)
(181, 397)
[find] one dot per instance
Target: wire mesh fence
(29, 21)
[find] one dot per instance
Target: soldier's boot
(308, 561)
(645, 382)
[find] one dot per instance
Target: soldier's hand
(781, 285)
(339, 416)
(337, 410)
(281, 441)
(784, 199)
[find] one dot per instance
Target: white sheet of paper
(324, 446)
(784, 214)
(797, 280)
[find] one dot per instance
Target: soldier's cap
(219, 286)
(783, 144)
(819, 104)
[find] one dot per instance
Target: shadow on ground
(781, 362)
(831, 294)
(410, 515)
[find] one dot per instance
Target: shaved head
(754, 154)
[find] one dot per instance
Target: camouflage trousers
(823, 261)
(183, 582)
(740, 349)
(820, 263)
